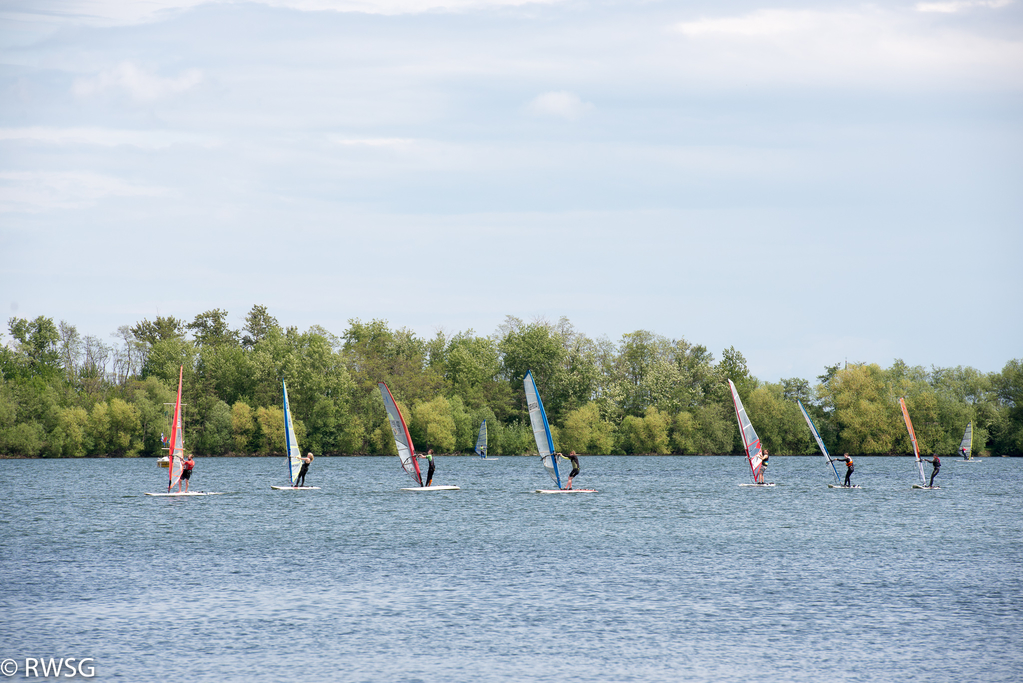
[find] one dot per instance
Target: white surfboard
(567, 491)
(182, 494)
(841, 486)
(926, 488)
(487, 459)
(759, 486)
(433, 488)
(295, 488)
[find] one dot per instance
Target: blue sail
(481, 441)
(820, 441)
(541, 429)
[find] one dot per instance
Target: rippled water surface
(671, 572)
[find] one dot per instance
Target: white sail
(966, 445)
(402, 439)
(750, 440)
(294, 453)
(541, 429)
(177, 440)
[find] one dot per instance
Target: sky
(809, 182)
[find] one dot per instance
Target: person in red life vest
(306, 461)
(936, 461)
(848, 470)
(186, 472)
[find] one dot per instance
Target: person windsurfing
(575, 468)
(848, 470)
(306, 461)
(186, 472)
(429, 472)
(936, 461)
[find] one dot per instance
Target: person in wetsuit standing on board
(429, 472)
(936, 461)
(848, 470)
(575, 467)
(306, 461)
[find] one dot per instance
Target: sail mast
(402, 439)
(820, 441)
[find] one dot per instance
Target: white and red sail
(177, 442)
(750, 440)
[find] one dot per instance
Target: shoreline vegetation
(63, 394)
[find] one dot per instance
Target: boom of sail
(912, 437)
(750, 440)
(402, 439)
(541, 429)
(820, 441)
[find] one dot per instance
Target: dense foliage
(63, 394)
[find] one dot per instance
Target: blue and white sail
(820, 441)
(294, 453)
(481, 441)
(541, 429)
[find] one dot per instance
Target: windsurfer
(966, 456)
(848, 470)
(429, 472)
(306, 461)
(575, 467)
(764, 455)
(936, 461)
(186, 472)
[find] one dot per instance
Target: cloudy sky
(808, 181)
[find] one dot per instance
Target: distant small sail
(481, 441)
(966, 445)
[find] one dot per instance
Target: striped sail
(966, 445)
(912, 437)
(294, 454)
(541, 430)
(481, 441)
(177, 441)
(750, 440)
(820, 441)
(402, 439)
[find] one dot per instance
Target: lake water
(672, 572)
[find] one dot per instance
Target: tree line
(63, 394)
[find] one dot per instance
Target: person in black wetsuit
(575, 467)
(936, 461)
(429, 472)
(848, 470)
(306, 461)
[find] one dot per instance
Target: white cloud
(102, 137)
(36, 191)
(960, 5)
(140, 84)
(559, 104)
(868, 46)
